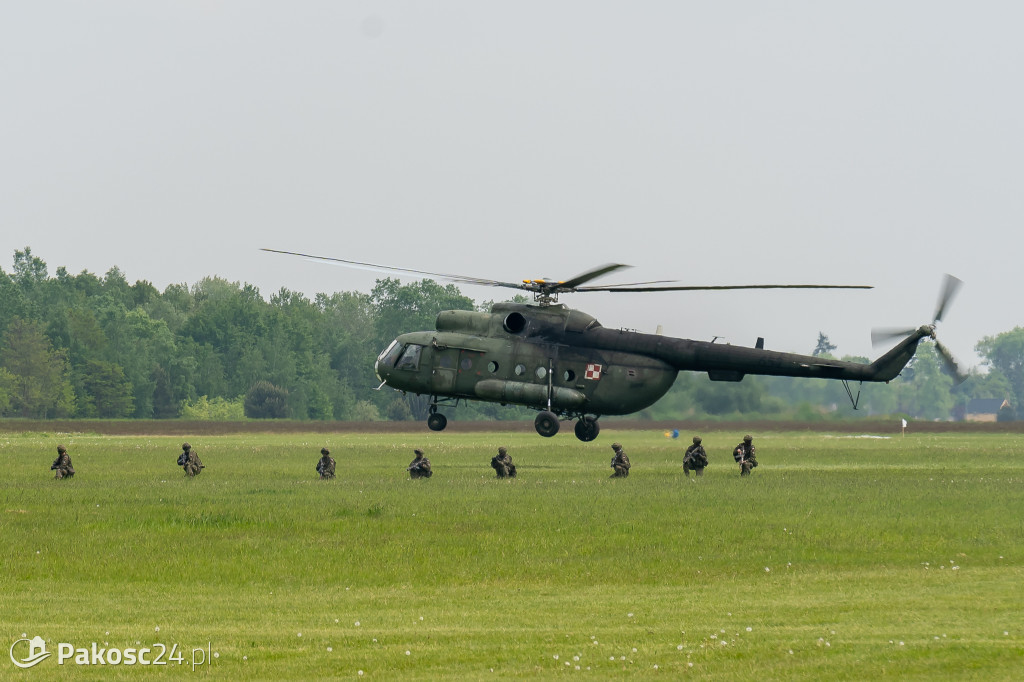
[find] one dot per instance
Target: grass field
(840, 558)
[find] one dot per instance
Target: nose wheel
(587, 428)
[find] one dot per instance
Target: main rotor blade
(725, 287)
(462, 279)
(950, 362)
(950, 286)
(593, 273)
(882, 334)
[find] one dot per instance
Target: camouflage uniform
(419, 467)
(62, 465)
(189, 461)
(620, 462)
(695, 458)
(745, 455)
(502, 464)
(325, 467)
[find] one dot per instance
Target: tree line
(84, 346)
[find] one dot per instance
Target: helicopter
(564, 364)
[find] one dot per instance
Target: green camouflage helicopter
(564, 364)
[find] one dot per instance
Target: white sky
(715, 143)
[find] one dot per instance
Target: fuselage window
(492, 367)
(541, 372)
(519, 369)
(569, 375)
(410, 358)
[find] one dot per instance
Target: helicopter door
(445, 367)
(471, 370)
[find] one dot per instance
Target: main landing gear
(546, 423)
(586, 428)
(436, 421)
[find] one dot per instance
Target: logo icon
(36, 652)
(593, 372)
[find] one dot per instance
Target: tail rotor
(950, 286)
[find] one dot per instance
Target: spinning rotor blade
(630, 287)
(950, 362)
(387, 268)
(593, 273)
(546, 290)
(882, 334)
(950, 286)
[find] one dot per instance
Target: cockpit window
(390, 354)
(410, 359)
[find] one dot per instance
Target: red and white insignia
(593, 372)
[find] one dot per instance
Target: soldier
(502, 464)
(745, 455)
(620, 462)
(189, 461)
(419, 467)
(695, 458)
(325, 467)
(62, 465)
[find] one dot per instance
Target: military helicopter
(564, 364)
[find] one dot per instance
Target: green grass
(840, 558)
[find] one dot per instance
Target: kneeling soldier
(62, 465)
(745, 455)
(695, 458)
(325, 467)
(188, 460)
(502, 464)
(419, 467)
(620, 462)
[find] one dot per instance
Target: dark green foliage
(96, 346)
(1005, 353)
(266, 401)
(824, 347)
(38, 385)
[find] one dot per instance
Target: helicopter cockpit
(398, 356)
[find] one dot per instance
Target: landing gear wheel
(546, 423)
(587, 429)
(437, 422)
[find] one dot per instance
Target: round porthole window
(541, 372)
(520, 370)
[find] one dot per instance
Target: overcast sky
(715, 143)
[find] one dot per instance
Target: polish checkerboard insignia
(593, 372)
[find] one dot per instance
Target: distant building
(984, 409)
